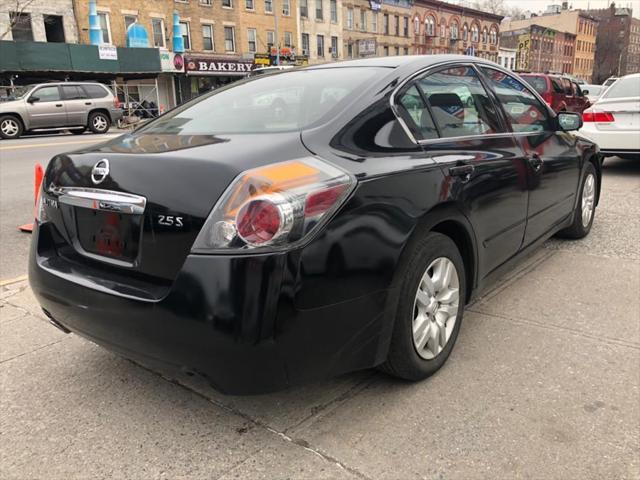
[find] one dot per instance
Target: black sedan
(300, 225)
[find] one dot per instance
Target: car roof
(417, 61)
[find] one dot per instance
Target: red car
(562, 94)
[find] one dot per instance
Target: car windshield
(624, 88)
(538, 83)
(289, 101)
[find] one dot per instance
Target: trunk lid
(626, 114)
(142, 216)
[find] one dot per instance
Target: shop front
(203, 74)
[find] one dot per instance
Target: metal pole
(275, 16)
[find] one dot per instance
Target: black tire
(578, 229)
(99, 122)
(78, 131)
(403, 360)
(10, 127)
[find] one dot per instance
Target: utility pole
(275, 16)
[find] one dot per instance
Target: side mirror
(33, 99)
(585, 92)
(569, 122)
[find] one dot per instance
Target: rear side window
(567, 86)
(623, 88)
(459, 103)
(95, 91)
(524, 111)
(556, 83)
(416, 114)
(538, 83)
(73, 92)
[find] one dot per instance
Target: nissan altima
(295, 226)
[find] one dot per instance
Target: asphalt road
(17, 163)
(544, 383)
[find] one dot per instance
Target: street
(544, 381)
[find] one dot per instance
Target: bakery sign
(218, 66)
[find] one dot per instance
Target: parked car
(76, 106)
(613, 122)
(561, 93)
(260, 252)
(593, 92)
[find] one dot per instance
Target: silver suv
(75, 106)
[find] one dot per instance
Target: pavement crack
(30, 351)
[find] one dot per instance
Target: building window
(397, 19)
(286, 8)
(320, 46)
(206, 3)
(128, 21)
(386, 51)
(416, 25)
(374, 22)
(207, 37)
(53, 28)
(485, 35)
(333, 5)
(227, 3)
(304, 9)
(430, 27)
(229, 39)
(288, 39)
(397, 51)
(363, 20)
(319, 10)
(443, 28)
(105, 27)
(454, 30)
(406, 50)
(271, 38)
(186, 35)
(349, 18)
(465, 32)
(252, 38)
(349, 50)
(21, 26)
(474, 33)
(268, 6)
(305, 44)
(157, 28)
(493, 36)
(249, 5)
(385, 24)
(405, 26)
(334, 47)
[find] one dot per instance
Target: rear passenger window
(567, 86)
(73, 92)
(95, 91)
(557, 85)
(524, 111)
(416, 115)
(459, 103)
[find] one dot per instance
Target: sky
(538, 5)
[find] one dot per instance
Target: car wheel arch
(99, 110)
(17, 116)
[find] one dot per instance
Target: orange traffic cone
(39, 174)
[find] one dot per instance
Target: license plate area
(110, 235)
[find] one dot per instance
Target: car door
(580, 99)
(76, 103)
(45, 108)
(485, 172)
(553, 160)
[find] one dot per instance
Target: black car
(300, 225)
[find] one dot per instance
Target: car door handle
(463, 171)
(87, 103)
(58, 104)
(536, 162)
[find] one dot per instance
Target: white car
(613, 122)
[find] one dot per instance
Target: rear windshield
(594, 90)
(289, 101)
(538, 83)
(625, 87)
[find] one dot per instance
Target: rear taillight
(276, 206)
(597, 117)
(116, 102)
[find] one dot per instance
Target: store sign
(107, 52)
(522, 54)
(218, 66)
(367, 47)
(171, 62)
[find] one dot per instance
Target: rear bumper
(612, 141)
(237, 321)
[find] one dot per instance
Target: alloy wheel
(9, 127)
(99, 122)
(588, 199)
(435, 308)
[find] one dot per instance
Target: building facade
(541, 49)
(576, 22)
(617, 43)
(39, 21)
(320, 30)
(377, 29)
(507, 57)
(440, 27)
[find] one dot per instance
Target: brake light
(275, 206)
(597, 117)
(116, 102)
(547, 97)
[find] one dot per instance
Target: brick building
(576, 22)
(541, 49)
(377, 29)
(617, 43)
(440, 27)
(320, 30)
